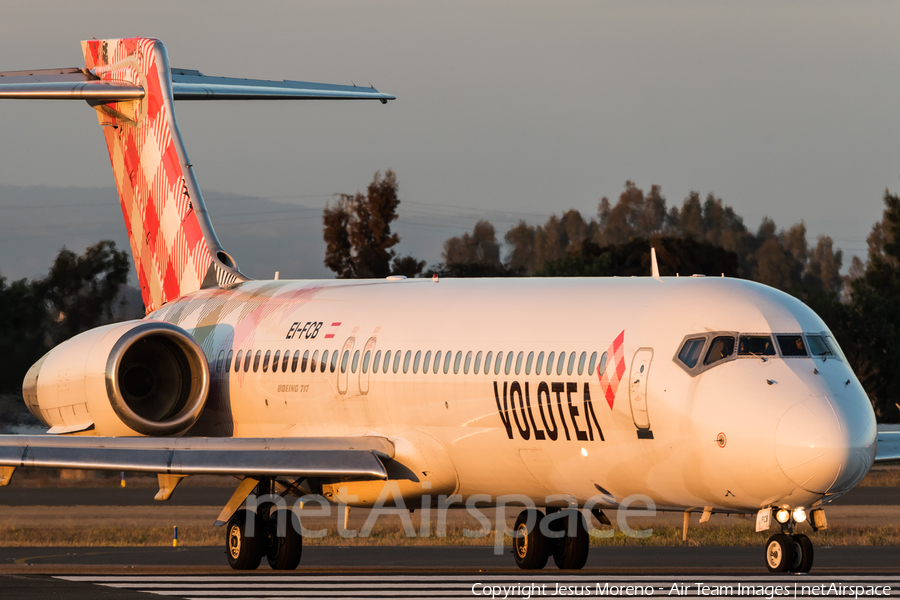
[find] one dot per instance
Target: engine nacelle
(133, 378)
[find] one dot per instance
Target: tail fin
(131, 85)
(168, 227)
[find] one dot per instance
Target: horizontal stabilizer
(888, 446)
(65, 84)
(341, 458)
(194, 85)
(81, 84)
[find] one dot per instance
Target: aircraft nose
(825, 446)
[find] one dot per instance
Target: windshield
(792, 345)
(756, 345)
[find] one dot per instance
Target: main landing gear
(270, 531)
(561, 534)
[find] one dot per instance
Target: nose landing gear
(789, 553)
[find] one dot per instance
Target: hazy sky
(505, 109)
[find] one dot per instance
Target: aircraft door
(366, 366)
(344, 365)
(640, 371)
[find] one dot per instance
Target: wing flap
(888, 446)
(342, 458)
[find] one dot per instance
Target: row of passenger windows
(723, 346)
(429, 362)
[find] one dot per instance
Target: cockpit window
(792, 345)
(722, 347)
(756, 345)
(689, 355)
(818, 346)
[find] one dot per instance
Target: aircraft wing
(340, 458)
(80, 84)
(888, 446)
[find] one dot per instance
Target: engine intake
(138, 377)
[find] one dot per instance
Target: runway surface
(404, 572)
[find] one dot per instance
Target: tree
(79, 293)
(479, 248)
(357, 230)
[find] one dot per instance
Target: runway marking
(302, 586)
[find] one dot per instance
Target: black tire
(283, 552)
(802, 558)
(243, 550)
(529, 544)
(571, 551)
(779, 553)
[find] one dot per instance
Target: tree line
(702, 236)
(79, 292)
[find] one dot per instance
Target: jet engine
(132, 378)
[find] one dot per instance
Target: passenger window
(519, 358)
(581, 362)
(237, 360)
(334, 359)
(426, 363)
(406, 360)
(376, 362)
(468, 362)
(228, 360)
(570, 368)
(721, 347)
(528, 363)
(344, 361)
(275, 361)
(550, 362)
(295, 361)
(498, 364)
(509, 359)
(457, 361)
(305, 361)
(540, 363)
(487, 363)
(397, 357)
(592, 363)
(247, 358)
(417, 360)
(447, 359)
(366, 360)
(818, 347)
(477, 363)
(314, 362)
(266, 360)
(284, 361)
(437, 361)
(219, 361)
(561, 363)
(355, 362)
(791, 345)
(601, 368)
(690, 352)
(256, 360)
(756, 345)
(387, 362)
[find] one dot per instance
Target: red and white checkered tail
(172, 239)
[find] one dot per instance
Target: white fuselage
(744, 434)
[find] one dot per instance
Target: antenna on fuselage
(654, 267)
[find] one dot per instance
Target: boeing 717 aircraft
(696, 393)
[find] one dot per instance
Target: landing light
(783, 515)
(799, 515)
(584, 451)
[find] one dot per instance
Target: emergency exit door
(640, 371)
